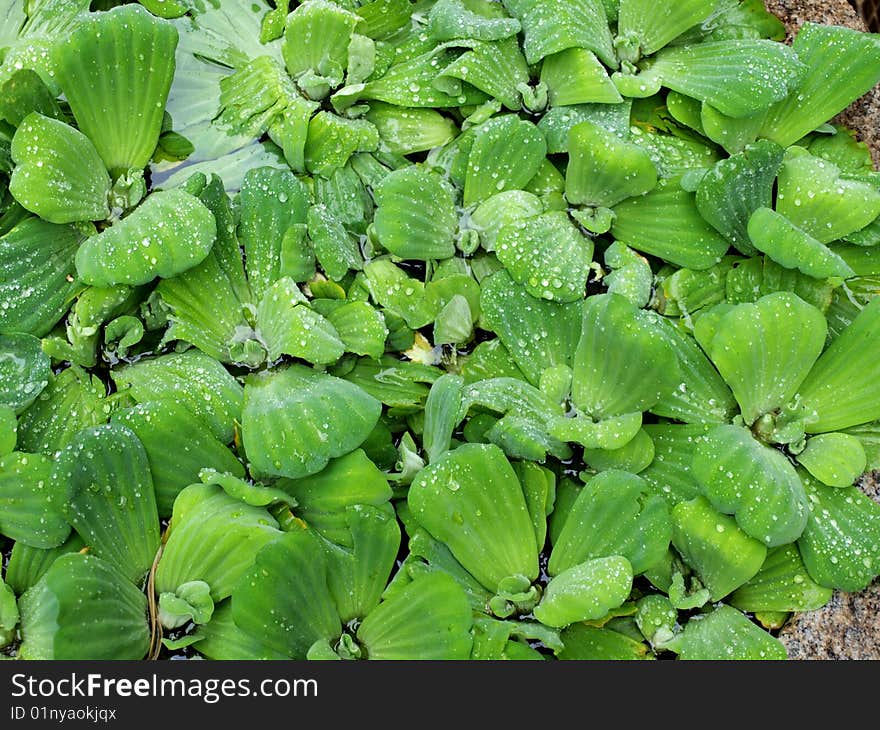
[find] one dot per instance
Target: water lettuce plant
(432, 329)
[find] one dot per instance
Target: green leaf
(585, 642)
(158, 423)
(471, 500)
(24, 93)
(634, 456)
(734, 188)
(83, 608)
(815, 198)
(654, 24)
(701, 395)
(765, 350)
(585, 592)
(576, 76)
(58, 174)
(621, 363)
(191, 602)
(614, 514)
(324, 498)
(755, 483)
(736, 77)
(316, 40)
(507, 152)
(110, 497)
(498, 69)
(115, 69)
(295, 420)
(722, 555)
(550, 26)
(539, 334)
(789, 246)
(782, 584)
(842, 65)
(332, 140)
(604, 170)
(32, 504)
(24, 371)
(841, 542)
(670, 474)
(407, 131)
(666, 223)
(172, 231)
(451, 19)
(548, 255)
(493, 214)
(221, 639)
(28, 564)
(273, 204)
(415, 215)
(840, 391)
(429, 619)
(726, 634)
(213, 538)
(284, 600)
(336, 249)
(835, 459)
(361, 328)
(442, 414)
(558, 121)
(37, 271)
(71, 401)
(751, 279)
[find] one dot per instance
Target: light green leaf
(726, 634)
(670, 473)
(213, 538)
(557, 122)
(111, 502)
(406, 131)
(654, 24)
(604, 170)
(585, 592)
(24, 371)
(507, 152)
(585, 642)
(666, 223)
(415, 216)
(197, 381)
(58, 174)
(37, 275)
(835, 459)
(295, 420)
(734, 188)
(753, 482)
(32, 504)
(841, 390)
(614, 514)
(576, 76)
(548, 255)
(316, 40)
(172, 231)
(789, 246)
(765, 350)
(83, 608)
(471, 500)
(621, 363)
(115, 69)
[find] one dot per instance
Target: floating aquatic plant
(446, 329)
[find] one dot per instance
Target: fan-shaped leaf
(170, 232)
(213, 538)
(37, 271)
(115, 69)
(415, 215)
(283, 600)
(755, 483)
(548, 255)
(471, 500)
(429, 619)
(835, 459)
(841, 390)
(621, 364)
(316, 40)
(28, 564)
(614, 514)
(654, 24)
(670, 473)
(83, 608)
(585, 592)
(295, 420)
(111, 502)
(782, 584)
(765, 350)
(58, 173)
(603, 170)
(24, 370)
(666, 223)
(507, 152)
(722, 555)
(31, 504)
(735, 187)
(576, 76)
(727, 634)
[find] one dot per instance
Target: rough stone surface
(863, 116)
(848, 627)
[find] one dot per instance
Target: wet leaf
(725, 633)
